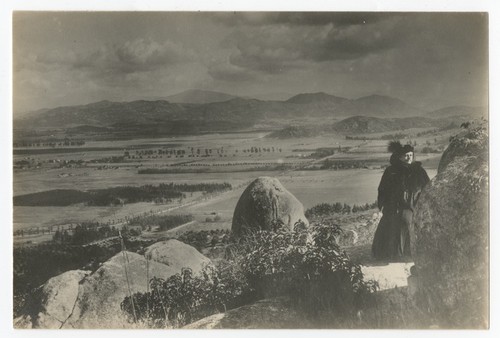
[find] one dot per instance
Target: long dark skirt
(392, 238)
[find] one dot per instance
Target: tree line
(324, 209)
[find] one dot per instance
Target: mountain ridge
(236, 112)
(198, 96)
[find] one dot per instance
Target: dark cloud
(351, 43)
(439, 39)
(274, 49)
(339, 19)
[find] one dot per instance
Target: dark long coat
(398, 194)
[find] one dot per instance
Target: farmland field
(236, 159)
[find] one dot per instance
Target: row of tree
(52, 143)
(325, 209)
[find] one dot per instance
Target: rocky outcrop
(273, 313)
(59, 296)
(264, 205)
(472, 143)
(84, 300)
(177, 255)
(450, 235)
(55, 301)
(98, 305)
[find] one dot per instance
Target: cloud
(139, 55)
(278, 48)
(338, 19)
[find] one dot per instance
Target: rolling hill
(460, 111)
(366, 124)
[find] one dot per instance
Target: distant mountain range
(197, 111)
(199, 97)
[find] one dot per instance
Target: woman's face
(407, 158)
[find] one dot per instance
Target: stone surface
(78, 299)
(58, 299)
(98, 305)
(177, 255)
(264, 202)
(388, 275)
(450, 236)
(23, 322)
(272, 313)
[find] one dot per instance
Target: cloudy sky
(428, 60)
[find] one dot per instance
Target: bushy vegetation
(203, 239)
(57, 197)
(308, 266)
(88, 232)
(184, 298)
(324, 209)
(117, 195)
(206, 187)
(305, 265)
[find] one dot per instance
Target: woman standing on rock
(398, 193)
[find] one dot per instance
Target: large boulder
(56, 300)
(84, 300)
(177, 255)
(450, 235)
(264, 204)
(98, 304)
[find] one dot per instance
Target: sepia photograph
(250, 170)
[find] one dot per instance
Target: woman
(398, 193)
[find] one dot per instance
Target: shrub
(184, 298)
(324, 209)
(305, 265)
(308, 266)
(202, 239)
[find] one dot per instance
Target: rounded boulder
(266, 205)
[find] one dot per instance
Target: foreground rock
(264, 204)
(273, 313)
(98, 304)
(177, 255)
(78, 299)
(450, 235)
(57, 300)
